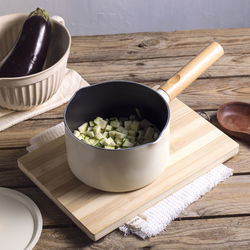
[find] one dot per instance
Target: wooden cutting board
(196, 146)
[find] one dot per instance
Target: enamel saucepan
(120, 170)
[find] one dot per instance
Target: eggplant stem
(40, 12)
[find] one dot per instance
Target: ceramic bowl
(23, 93)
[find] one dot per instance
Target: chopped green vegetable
(135, 125)
(115, 123)
(77, 133)
(90, 133)
(83, 127)
(97, 129)
(91, 124)
(127, 144)
(108, 128)
(149, 133)
(99, 121)
(117, 133)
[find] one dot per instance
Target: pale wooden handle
(192, 70)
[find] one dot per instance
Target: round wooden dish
(234, 118)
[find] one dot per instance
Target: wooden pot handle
(182, 79)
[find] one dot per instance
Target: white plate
(20, 221)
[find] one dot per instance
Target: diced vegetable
(138, 113)
(145, 123)
(90, 134)
(99, 121)
(83, 127)
(115, 123)
(122, 130)
(132, 132)
(98, 136)
(109, 147)
(135, 125)
(91, 123)
(117, 133)
(77, 133)
(112, 133)
(108, 128)
(97, 129)
(109, 142)
(127, 124)
(127, 144)
(149, 133)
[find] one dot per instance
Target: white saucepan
(119, 170)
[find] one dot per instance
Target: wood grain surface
(98, 213)
(218, 220)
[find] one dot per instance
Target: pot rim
(121, 149)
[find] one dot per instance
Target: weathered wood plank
(14, 178)
(240, 162)
(11, 176)
(157, 68)
(156, 44)
(231, 197)
(217, 233)
(162, 55)
(202, 94)
(19, 135)
(212, 93)
(52, 215)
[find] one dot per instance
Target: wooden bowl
(234, 118)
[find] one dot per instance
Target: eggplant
(29, 52)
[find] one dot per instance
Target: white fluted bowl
(26, 92)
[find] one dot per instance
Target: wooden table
(220, 219)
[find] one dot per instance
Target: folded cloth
(71, 83)
(155, 219)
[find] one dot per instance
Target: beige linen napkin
(71, 83)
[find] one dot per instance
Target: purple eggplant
(29, 52)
